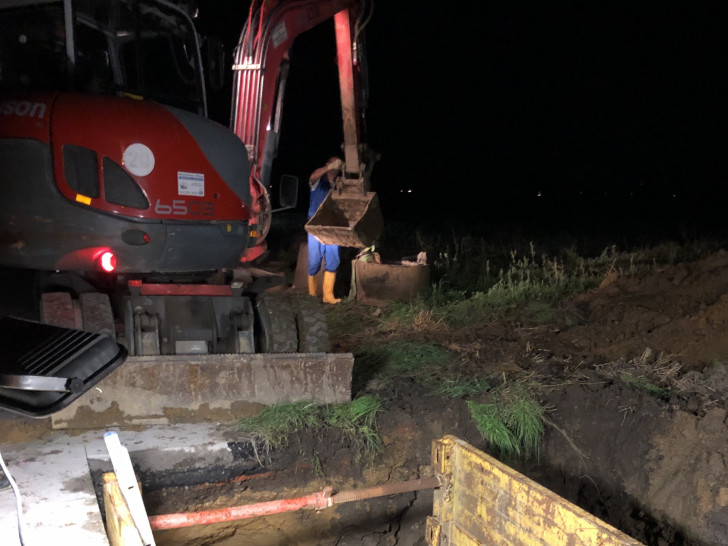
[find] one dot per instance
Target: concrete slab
(54, 476)
(57, 494)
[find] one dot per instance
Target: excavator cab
(139, 48)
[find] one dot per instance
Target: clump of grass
(524, 416)
(462, 387)
(426, 363)
(492, 427)
(423, 362)
(357, 420)
(513, 422)
(401, 314)
(275, 425)
(641, 383)
(411, 357)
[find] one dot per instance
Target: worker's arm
(334, 164)
(317, 174)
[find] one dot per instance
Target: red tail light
(107, 261)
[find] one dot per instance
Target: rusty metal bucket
(347, 219)
(378, 283)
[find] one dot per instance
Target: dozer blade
(152, 390)
(349, 219)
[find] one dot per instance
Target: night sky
(559, 112)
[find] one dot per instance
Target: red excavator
(139, 214)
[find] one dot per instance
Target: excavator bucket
(347, 219)
(350, 215)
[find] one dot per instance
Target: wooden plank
(120, 526)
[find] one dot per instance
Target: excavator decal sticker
(280, 34)
(23, 108)
(138, 159)
(191, 184)
(180, 207)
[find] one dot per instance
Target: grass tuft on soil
(273, 427)
(358, 423)
(462, 387)
(513, 422)
(643, 384)
(400, 360)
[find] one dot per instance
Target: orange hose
(175, 521)
(322, 499)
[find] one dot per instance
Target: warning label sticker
(191, 184)
(279, 35)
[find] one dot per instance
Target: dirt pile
(638, 404)
(651, 458)
(679, 310)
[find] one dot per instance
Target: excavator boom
(351, 215)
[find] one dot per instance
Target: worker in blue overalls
(321, 181)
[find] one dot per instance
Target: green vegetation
(275, 425)
(342, 320)
(428, 364)
(462, 387)
(400, 361)
(493, 428)
(513, 422)
(526, 288)
(358, 422)
(643, 384)
(476, 281)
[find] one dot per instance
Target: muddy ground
(651, 464)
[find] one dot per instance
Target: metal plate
(32, 351)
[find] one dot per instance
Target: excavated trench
(387, 520)
(375, 520)
(599, 455)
